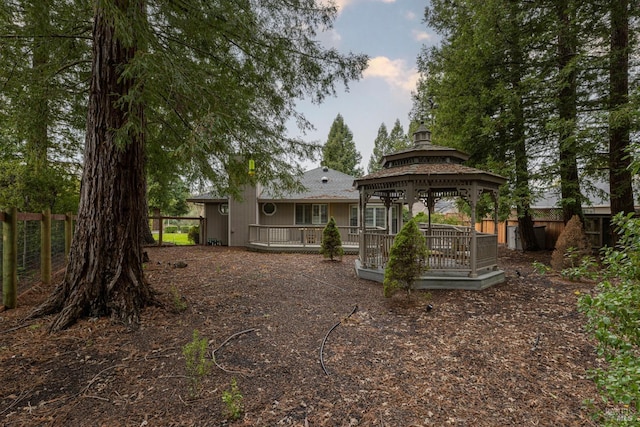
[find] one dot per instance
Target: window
(353, 218)
(375, 216)
(317, 214)
(269, 208)
(223, 208)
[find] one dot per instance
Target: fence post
(10, 258)
(68, 235)
(45, 247)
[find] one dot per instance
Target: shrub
(194, 234)
(170, 229)
(331, 243)
(612, 317)
(233, 400)
(572, 245)
(197, 363)
(406, 260)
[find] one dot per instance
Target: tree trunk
(104, 275)
(567, 112)
(522, 189)
(621, 191)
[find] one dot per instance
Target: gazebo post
(363, 227)
(474, 238)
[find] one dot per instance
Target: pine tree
(398, 139)
(380, 148)
(406, 260)
(339, 152)
(387, 143)
(331, 242)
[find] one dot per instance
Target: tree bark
(104, 276)
(567, 112)
(621, 191)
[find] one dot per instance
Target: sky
(392, 33)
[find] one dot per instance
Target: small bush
(406, 260)
(170, 229)
(197, 363)
(573, 236)
(331, 243)
(233, 400)
(179, 302)
(194, 235)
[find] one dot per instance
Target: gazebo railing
(449, 249)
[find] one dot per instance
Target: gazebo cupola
(426, 173)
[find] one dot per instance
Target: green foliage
(331, 246)
(612, 318)
(213, 95)
(581, 266)
(232, 398)
(198, 365)
(406, 260)
(540, 267)
(194, 234)
(179, 303)
(339, 152)
(387, 143)
(437, 218)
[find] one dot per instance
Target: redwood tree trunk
(104, 275)
(567, 112)
(621, 194)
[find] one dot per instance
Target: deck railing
(297, 235)
(449, 246)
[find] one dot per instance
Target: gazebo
(459, 256)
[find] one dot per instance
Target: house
(263, 220)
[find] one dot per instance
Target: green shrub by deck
(406, 260)
(331, 242)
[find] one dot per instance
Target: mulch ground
(513, 354)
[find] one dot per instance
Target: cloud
(421, 36)
(341, 4)
(396, 73)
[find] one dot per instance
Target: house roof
(320, 184)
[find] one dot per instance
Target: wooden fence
(9, 249)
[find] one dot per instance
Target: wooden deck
(451, 264)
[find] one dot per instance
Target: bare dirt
(515, 354)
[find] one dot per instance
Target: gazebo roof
(429, 167)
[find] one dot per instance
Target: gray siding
(241, 215)
(217, 224)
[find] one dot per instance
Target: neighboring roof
(321, 184)
(597, 197)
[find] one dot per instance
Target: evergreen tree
(227, 72)
(387, 143)
(45, 63)
(331, 242)
(481, 81)
(406, 260)
(398, 140)
(339, 152)
(380, 148)
(620, 110)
